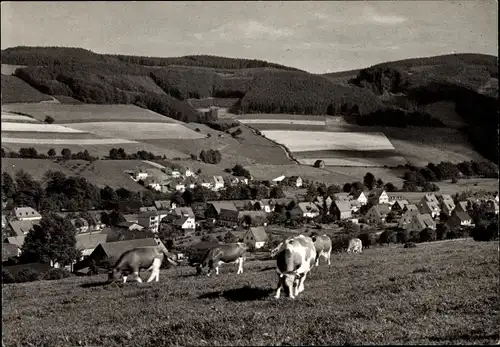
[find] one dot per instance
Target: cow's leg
(137, 277)
(277, 296)
(301, 283)
(329, 256)
(155, 269)
(124, 279)
(240, 266)
(217, 270)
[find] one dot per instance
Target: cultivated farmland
(47, 128)
(15, 118)
(138, 130)
(16, 90)
(437, 293)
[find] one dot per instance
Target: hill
(456, 91)
(17, 90)
(441, 292)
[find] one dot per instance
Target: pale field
(9, 117)
(138, 130)
(68, 113)
(269, 172)
(281, 121)
(50, 128)
(8, 69)
(297, 141)
(284, 117)
(82, 142)
(357, 173)
(364, 162)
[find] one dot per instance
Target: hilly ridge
(392, 94)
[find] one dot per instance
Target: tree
(357, 186)
(380, 183)
(347, 188)
(390, 188)
(51, 153)
(8, 185)
(66, 153)
(4, 154)
(427, 235)
(276, 193)
(49, 120)
(239, 170)
(116, 217)
(311, 193)
(51, 240)
(229, 237)
(332, 190)
(442, 231)
(369, 180)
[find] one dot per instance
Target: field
(8, 69)
(268, 172)
(11, 117)
(437, 293)
(16, 90)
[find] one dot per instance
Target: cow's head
(288, 280)
(114, 275)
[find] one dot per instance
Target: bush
(404, 236)
(367, 239)
(427, 235)
(7, 277)
(56, 274)
(27, 275)
(388, 236)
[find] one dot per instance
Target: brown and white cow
(224, 253)
(323, 245)
(355, 246)
(134, 260)
(294, 260)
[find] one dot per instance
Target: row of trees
(448, 170)
(32, 153)
(210, 156)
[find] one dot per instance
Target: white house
(188, 172)
(459, 219)
(378, 196)
(295, 181)
(360, 197)
(185, 222)
(218, 182)
(278, 179)
(256, 237)
(149, 219)
(140, 174)
(305, 209)
(420, 222)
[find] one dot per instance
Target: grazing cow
(355, 246)
(134, 260)
(323, 246)
(295, 259)
(224, 253)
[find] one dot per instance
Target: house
(378, 196)
(258, 217)
(461, 206)
(447, 205)
(9, 251)
(183, 211)
(86, 243)
(343, 209)
(320, 202)
(164, 204)
(408, 212)
(278, 179)
(399, 205)
(25, 214)
(305, 209)
(263, 204)
(22, 227)
(147, 209)
(360, 197)
(185, 223)
(430, 207)
(188, 172)
(119, 234)
(295, 181)
(377, 213)
(175, 173)
(150, 220)
(256, 237)
(129, 226)
(15, 240)
(459, 219)
(140, 173)
(342, 196)
(393, 198)
(242, 179)
(214, 208)
(190, 182)
(218, 182)
(228, 218)
(421, 221)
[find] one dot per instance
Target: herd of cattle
(295, 257)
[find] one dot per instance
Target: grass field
(10, 117)
(437, 293)
(269, 172)
(81, 113)
(8, 69)
(16, 90)
(38, 127)
(138, 130)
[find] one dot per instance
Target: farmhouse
(228, 218)
(430, 207)
(164, 204)
(10, 251)
(304, 209)
(447, 206)
(242, 179)
(22, 227)
(462, 206)
(218, 182)
(408, 212)
(420, 222)
(183, 211)
(147, 209)
(258, 218)
(129, 226)
(214, 208)
(256, 237)
(321, 202)
(360, 197)
(377, 213)
(25, 214)
(295, 181)
(140, 173)
(86, 243)
(378, 196)
(185, 223)
(459, 219)
(399, 205)
(342, 209)
(150, 220)
(263, 204)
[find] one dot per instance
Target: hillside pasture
(437, 293)
(138, 130)
(351, 158)
(8, 69)
(269, 172)
(100, 172)
(302, 141)
(395, 176)
(16, 118)
(39, 127)
(80, 113)
(278, 117)
(15, 90)
(472, 184)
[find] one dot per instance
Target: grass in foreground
(437, 293)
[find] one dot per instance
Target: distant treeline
(114, 153)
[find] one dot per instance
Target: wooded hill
(388, 94)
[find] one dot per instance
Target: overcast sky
(319, 37)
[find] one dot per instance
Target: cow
(355, 246)
(134, 260)
(294, 260)
(224, 253)
(323, 246)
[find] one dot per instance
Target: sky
(319, 37)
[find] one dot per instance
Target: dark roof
(9, 251)
(22, 227)
(147, 214)
(180, 220)
(116, 249)
(147, 208)
(220, 205)
(89, 241)
(180, 211)
(162, 204)
(463, 216)
(259, 234)
(228, 214)
(115, 234)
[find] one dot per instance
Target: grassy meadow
(437, 293)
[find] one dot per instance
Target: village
(256, 222)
